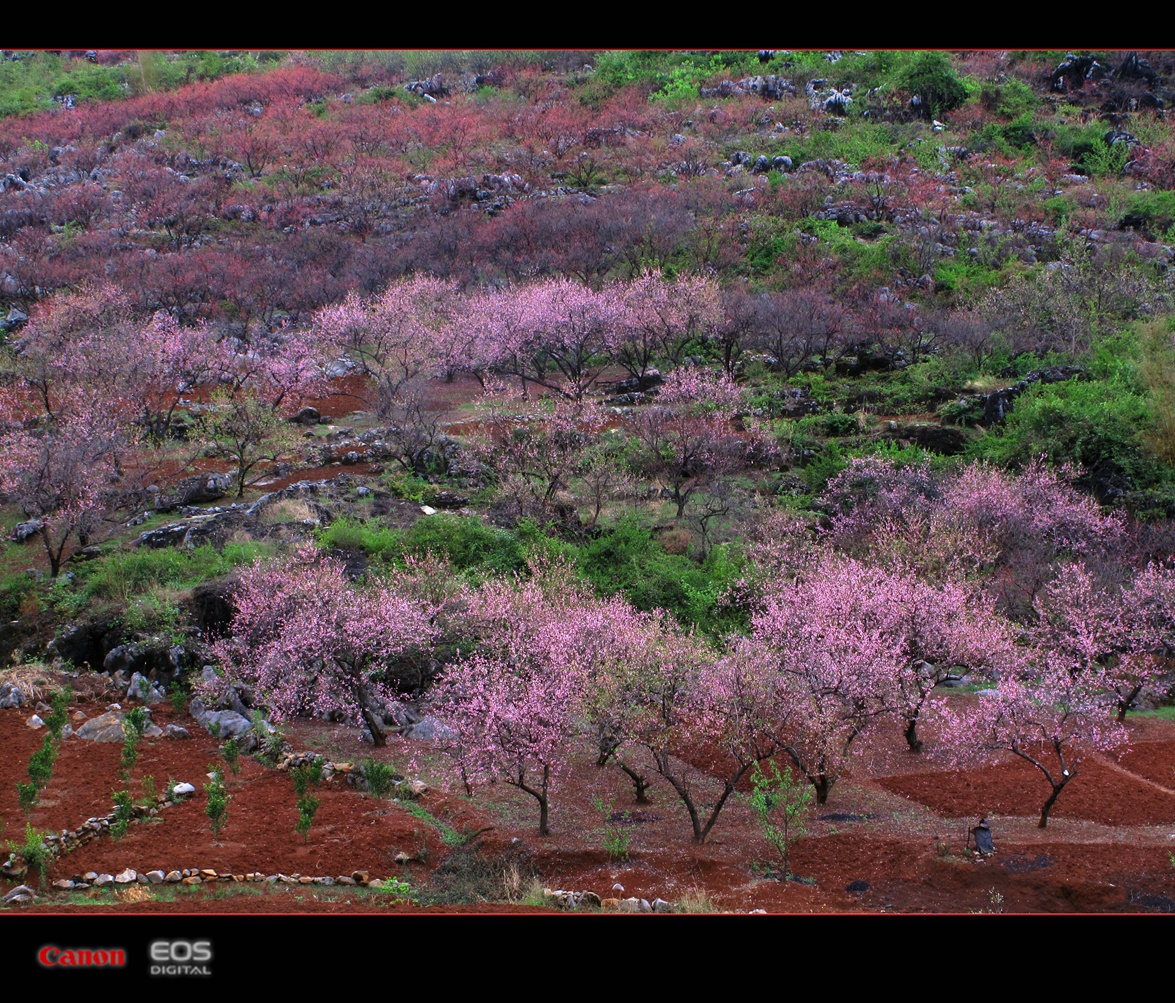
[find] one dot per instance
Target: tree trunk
(822, 785)
(1125, 703)
(912, 739)
(378, 738)
(540, 796)
(638, 782)
(1048, 805)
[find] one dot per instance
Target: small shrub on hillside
(307, 774)
(124, 812)
(931, 78)
(780, 802)
(36, 852)
(26, 796)
(231, 750)
(218, 798)
(307, 809)
(379, 777)
(41, 762)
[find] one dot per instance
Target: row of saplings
(38, 853)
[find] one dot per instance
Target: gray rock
(194, 491)
(660, 905)
(428, 729)
(102, 880)
(21, 893)
(24, 530)
(141, 688)
(173, 877)
(183, 790)
(175, 731)
(307, 416)
(227, 723)
(106, 727)
(10, 696)
(35, 722)
(126, 877)
(156, 877)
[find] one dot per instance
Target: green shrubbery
(930, 77)
(466, 542)
(125, 574)
(626, 558)
(1101, 425)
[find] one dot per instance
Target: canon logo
(52, 956)
(180, 957)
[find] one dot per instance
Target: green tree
(780, 803)
(931, 78)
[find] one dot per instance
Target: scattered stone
(79, 715)
(175, 731)
(156, 877)
(24, 530)
(307, 416)
(11, 696)
(35, 721)
(21, 893)
(102, 880)
(344, 879)
(65, 884)
(106, 727)
(660, 905)
(192, 879)
(610, 903)
(360, 877)
(857, 887)
(183, 790)
(125, 877)
(400, 858)
(173, 877)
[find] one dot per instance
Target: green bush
(13, 589)
(931, 77)
(125, 574)
(1151, 212)
(354, 535)
(26, 796)
(307, 809)
(780, 802)
(838, 424)
(1100, 424)
(124, 813)
(57, 719)
(379, 777)
(218, 798)
(467, 543)
(626, 558)
(36, 852)
(41, 762)
(307, 774)
(231, 751)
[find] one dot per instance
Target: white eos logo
(181, 957)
